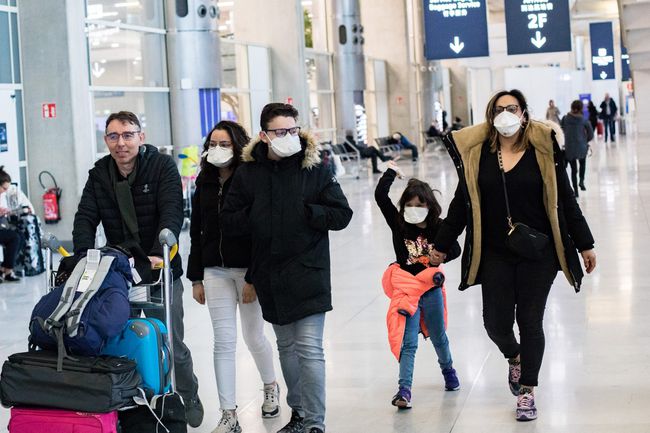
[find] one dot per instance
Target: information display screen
(455, 29)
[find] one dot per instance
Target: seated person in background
(371, 152)
(9, 239)
(401, 140)
(458, 124)
(433, 130)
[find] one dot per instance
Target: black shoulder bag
(522, 240)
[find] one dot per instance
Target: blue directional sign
(602, 51)
(537, 26)
(625, 64)
(455, 29)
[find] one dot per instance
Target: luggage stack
(90, 367)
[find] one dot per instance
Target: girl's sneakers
(451, 380)
(271, 405)
(228, 423)
(402, 399)
(514, 373)
(526, 410)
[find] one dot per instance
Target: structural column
(55, 71)
(194, 65)
(279, 25)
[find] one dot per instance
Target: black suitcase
(86, 384)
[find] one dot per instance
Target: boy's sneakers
(295, 425)
(271, 405)
(451, 380)
(315, 430)
(526, 410)
(228, 423)
(403, 398)
(514, 373)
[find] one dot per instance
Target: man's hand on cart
(156, 262)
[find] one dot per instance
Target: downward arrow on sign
(603, 75)
(538, 40)
(457, 46)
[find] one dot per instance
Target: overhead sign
(537, 26)
(455, 29)
(602, 51)
(625, 64)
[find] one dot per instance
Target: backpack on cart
(90, 308)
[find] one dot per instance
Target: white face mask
(220, 156)
(507, 123)
(415, 215)
(285, 146)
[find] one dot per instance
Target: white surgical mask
(415, 215)
(507, 123)
(220, 156)
(285, 146)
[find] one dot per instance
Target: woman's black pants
(517, 289)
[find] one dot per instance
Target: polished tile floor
(596, 372)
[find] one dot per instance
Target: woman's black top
(412, 244)
(525, 194)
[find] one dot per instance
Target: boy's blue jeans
(432, 306)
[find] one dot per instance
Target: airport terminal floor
(595, 373)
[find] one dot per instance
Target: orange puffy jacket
(404, 291)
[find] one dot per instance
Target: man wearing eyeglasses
(134, 193)
(288, 202)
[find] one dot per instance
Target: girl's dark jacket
(568, 225)
(287, 207)
(209, 247)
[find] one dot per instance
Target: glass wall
(12, 133)
(318, 70)
(128, 66)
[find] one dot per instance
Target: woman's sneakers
(271, 405)
(526, 410)
(451, 380)
(228, 423)
(10, 277)
(514, 373)
(402, 399)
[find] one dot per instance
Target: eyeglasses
(514, 109)
(128, 136)
(281, 132)
(225, 144)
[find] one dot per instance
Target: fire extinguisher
(51, 199)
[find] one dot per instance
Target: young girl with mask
(414, 226)
(217, 268)
(511, 172)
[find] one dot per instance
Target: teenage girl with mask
(217, 268)
(414, 226)
(513, 156)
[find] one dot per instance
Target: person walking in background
(511, 171)
(608, 112)
(217, 266)
(458, 124)
(288, 202)
(552, 112)
(577, 135)
(414, 225)
(593, 116)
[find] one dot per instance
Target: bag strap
(65, 302)
(76, 310)
(505, 189)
